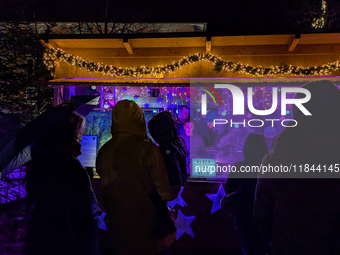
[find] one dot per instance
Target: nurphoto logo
(238, 105)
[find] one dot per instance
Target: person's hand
(223, 201)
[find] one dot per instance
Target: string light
(320, 22)
(53, 56)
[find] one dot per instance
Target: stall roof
(152, 50)
(286, 81)
(150, 40)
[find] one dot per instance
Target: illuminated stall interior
(155, 70)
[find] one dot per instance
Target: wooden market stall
(173, 60)
(152, 50)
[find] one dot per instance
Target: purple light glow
(213, 78)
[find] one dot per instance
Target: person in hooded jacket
(172, 146)
(297, 211)
(61, 208)
(242, 201)
(130, 166)
(163, 131)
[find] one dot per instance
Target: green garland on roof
(52, 56)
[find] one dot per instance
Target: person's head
(77, 122)
(325, 100)
(183, 112)
(128, 117)
(255, 146)
(162, 127)
(68, 130)
(210, 124)
(209, 118)
(189, 127)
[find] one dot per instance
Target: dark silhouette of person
(205, 128)
(183, 114)
(299, 211)
(244, 184)
(130, 167)
(62, 211)
(194, 143)
(173, 149)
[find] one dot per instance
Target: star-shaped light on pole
(216, 198)
(178, 200)
(183, 223)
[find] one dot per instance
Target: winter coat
(61, 206)
(179, 127)
(129, 167)
(254, 150)
(302, 216)
(173, 148)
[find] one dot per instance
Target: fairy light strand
(53, 56)
(320, 22)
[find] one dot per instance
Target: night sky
(226, 17)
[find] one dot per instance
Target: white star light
(178, 200)
(183, 223)
(101, 222)
(216, 198)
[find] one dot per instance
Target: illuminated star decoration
(216, 198)
(183, 223)
(101, 222)
(178, 200)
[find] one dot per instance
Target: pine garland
(53, 56)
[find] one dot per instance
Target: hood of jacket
(315, 138)
(324, 101)
(162, 127)
(128, 117)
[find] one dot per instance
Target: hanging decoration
(101, 222)
(183, 223)
(216, 199)
(178, 200)
(53, 56)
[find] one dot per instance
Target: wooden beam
(102, 54)
(295, 40)
(293, 81)
(168, 42)
(48, 43)
(208, 44)
(128, 45)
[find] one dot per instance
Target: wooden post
(58, 95)
(294, 42)
(208, 44)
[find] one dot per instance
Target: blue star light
(216, 198)
(178, 200)
(101, 222)
(183, 223)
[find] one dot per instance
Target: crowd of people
(272, 215)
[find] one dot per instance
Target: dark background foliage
(21, 66)
(223, 16)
